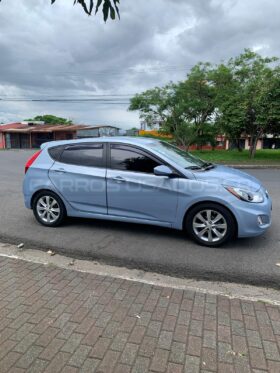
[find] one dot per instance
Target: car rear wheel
(49, 209)
(210, 224)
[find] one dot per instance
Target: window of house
(130, 159)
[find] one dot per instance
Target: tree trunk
(239, 147)
(253, 146)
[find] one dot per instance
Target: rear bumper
(27, 201)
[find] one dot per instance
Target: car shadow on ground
(124, 227)
(142, 230)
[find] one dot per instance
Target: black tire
(224, 233)
(59, 205)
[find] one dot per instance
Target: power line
(108, 72)
(59, 99)
(101, 101)
(72, 96)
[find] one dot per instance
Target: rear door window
(84, 155)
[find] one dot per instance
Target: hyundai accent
(146, 181)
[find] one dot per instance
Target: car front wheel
(210, 224)
(49, 209)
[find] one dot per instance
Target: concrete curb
(253, 166)
(230, 290)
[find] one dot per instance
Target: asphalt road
(140, 246)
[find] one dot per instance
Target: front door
(134, 191)
(80, 177)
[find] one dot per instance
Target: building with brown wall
(26, 135)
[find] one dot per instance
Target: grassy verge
(263, 157)
(266, 156)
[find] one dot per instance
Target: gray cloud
(57, 51)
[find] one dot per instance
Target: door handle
(60, 171)
(118, 179)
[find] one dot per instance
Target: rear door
(134, 191)
(79, 174)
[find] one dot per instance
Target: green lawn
(235, 157)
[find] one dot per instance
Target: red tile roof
(25, 128)
(10, 125)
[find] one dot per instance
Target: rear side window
(130, 159)
(84, 155)
(56, 152)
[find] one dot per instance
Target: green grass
(266, 156)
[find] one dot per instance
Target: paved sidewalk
(58, 320)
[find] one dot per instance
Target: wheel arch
(46, 190)
(214, 203)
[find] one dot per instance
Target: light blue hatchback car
(145, 181)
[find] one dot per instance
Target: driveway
(140, 246)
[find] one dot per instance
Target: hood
(229, 176)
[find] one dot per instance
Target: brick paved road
(57, 320)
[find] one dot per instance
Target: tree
(270, 104)
(228, 115)
(238, 98)
(109, 7)
(185, 135)
(162, 107)
(197, 95)
(155, 105)
(245, 87)
(51, 119)
(181, 109)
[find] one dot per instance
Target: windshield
(181, 157)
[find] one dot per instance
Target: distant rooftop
(36, 126)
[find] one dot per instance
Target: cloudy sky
(57, 52)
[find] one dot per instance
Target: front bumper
(253, 219)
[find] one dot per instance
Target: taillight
(31, 160)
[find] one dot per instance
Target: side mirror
(163, 171)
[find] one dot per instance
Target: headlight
(245, 195)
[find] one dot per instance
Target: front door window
(126, 158)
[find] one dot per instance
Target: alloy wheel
(209, 225)
(48, 209)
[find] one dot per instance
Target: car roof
(144, 141)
